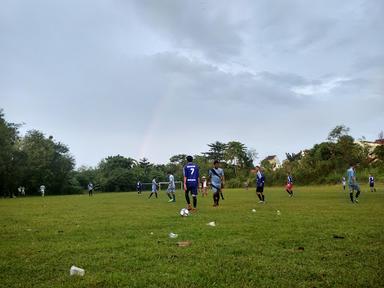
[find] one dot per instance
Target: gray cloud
(133, 77)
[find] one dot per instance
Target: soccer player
(289, 185)
(260, 180)
(191, 182)
(42, 190)
(216, 178)
(343, 181)
(171, 188)
(352, 183)
(90, 189)
(139, 187)
(204, 186)
(154, 188)
(371, 181)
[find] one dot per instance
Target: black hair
(189, 158)
(215, 162)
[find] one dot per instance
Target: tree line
(34, 159)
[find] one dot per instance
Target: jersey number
(192, 171)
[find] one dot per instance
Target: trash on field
(278, 213)
(253, 210)
(338, 237)
(76, 271)
(172, 235)
(184, 243)
(151, 233)
(213, 224)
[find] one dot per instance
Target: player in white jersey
(42, 190)
(204, 186)
(154, 188)
(171, 188)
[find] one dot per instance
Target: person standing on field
(371, 182)
(171, 188)
(90, 189)
(352, 184)
(289, 186)
(191, 182)
(260, 181)
(154, 188)
(139, 187)
(216, 178)
(42, 190)
(344, 182)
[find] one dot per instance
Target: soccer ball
(184, 212)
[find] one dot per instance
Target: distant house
(371, 147)
(273, 161)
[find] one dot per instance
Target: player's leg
(194, 197)
(187, 198)
(357, 187)
(216, 196)
(351, 192)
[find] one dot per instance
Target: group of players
(216, 180)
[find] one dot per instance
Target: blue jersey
(351, 175)
(289, 179)
(260, 179)
(371, 180)
(191, 173)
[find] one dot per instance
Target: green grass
(109, 235)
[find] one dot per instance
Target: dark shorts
(371, 184)
(192, 189)
(260, 189)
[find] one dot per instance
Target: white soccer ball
(184, 212)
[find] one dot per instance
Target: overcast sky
(155, 78)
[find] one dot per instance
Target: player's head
(216, 163)
(189, 158)
(257, 167)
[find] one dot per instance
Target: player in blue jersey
(191, 182)
(371, 182)
(139, 187)
(216, 179)
(353, 185)
(289, 186)
(260, 180)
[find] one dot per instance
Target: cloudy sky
(155, 78)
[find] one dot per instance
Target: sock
(292, 192)
(150, 195)
(222, 195)
(169, 196)
(258, 195)
(194, 202)
(287, 191)
(187, 198)
(357, 194)
(351, 196)
(262, 197)
(174, 197)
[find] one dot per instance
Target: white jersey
(171, 181)
(204, 183)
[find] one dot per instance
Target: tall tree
(216, 151)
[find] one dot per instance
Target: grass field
(121, 240)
